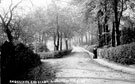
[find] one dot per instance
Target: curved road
(79, 68)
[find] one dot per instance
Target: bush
(25, 56)
(17, 60)
(55, 54)
(127, 36)
(124, 54)
(47, 55)
(42, 48)
(62, 53)
(31, 46)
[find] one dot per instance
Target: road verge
(112, 65)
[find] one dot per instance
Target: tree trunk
(86, 38)
(118, 35)
(104, 34)
(58, 39)
(9, 35)
(105, 23)
(113, 35)
(66, 42)
(99, 33)
(61, 42)
(54, 37)
(117, 22)
(107, 33)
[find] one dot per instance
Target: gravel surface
(79, 68)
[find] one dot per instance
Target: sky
(27, 5)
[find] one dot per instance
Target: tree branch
(11, 11)
(2, 19)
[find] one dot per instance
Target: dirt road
(79, 68)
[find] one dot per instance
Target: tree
(64, 22)
(38, 27)
(108, 11)
(6, 20)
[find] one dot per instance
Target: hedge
(127, 35)
(55, 54)
(47, 55)
(123, 54)
(17, 60)
(42, 48)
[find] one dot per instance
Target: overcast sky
(28, 5)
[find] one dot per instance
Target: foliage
(42, 48)
(25, 56)
(127, 35)
(43, 72)
(124, 54)
(17, 60)
(47, 55)
(91, 48)
(62, 53)
(31, 46)
(106, 12)
(105, 39)
(55, 54)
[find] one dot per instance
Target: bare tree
(6, 20)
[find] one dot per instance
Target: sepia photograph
(67, 41)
